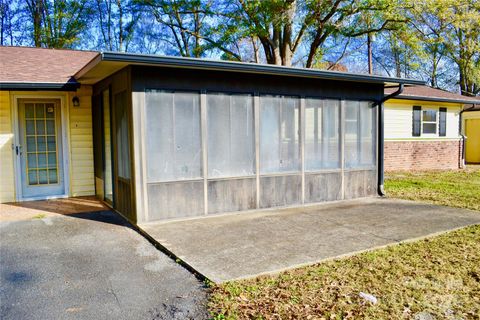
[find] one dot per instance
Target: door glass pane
(29, 110)
(41, 144)
(40, 148)
(52, 160)
(32, 160)
(51, 145)
(32, 177)
(50, 110)
(39, 110)
(50, 127)
(30, 127)
(42, 177)
(31, 144)
(52, 176)
(42, 160)
(40, 126)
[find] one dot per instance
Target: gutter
(35, 86)
(435, 99)
(464, 138)
(381, 139)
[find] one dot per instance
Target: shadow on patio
(89, 208)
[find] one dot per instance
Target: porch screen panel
(122, 139)
(322, 133)
(173, 136)
(231, 136)
(368, 134)
(279, 134)
(360, 135)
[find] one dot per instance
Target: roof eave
(36, 86)
(435, 99)
(206, 64)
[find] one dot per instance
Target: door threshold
(62, 196)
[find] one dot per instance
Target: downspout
(460, 120)
(381, 138)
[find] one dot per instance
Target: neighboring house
(471, 130)
(166, 138)
(422, 129)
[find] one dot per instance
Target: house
(422, 129)
(471, 130)
(162, 138)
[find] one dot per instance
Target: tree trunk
(120, 25)
(255, 50)
(37, 22)
(369, 46)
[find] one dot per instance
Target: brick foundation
(422, 155)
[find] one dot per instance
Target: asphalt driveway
(90, 266)
(244, 245)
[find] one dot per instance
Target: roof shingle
(39, 65)
(427, 93)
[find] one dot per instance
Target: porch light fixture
(76, 101)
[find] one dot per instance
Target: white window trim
(437, 116)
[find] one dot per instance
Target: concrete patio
(236, 246)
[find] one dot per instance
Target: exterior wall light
(76, 101)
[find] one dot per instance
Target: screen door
(40, 148)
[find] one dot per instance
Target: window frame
(436, 122)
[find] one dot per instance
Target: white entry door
(40, 149)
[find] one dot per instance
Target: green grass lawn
(437, 278)
(456, 188)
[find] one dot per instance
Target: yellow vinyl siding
(471, 129)
(7, 182)
(81, 143)
(398, 118)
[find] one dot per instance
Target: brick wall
(422, 155)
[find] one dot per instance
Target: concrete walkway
(243, 245)
(58, 263)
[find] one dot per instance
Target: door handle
(18, 150)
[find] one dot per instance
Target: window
(279, 134)
(360, 134)
(231, 135)
(322, 132)
(429, 121)
(173, 136)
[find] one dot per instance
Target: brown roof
(39, 65)
(428, 93)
